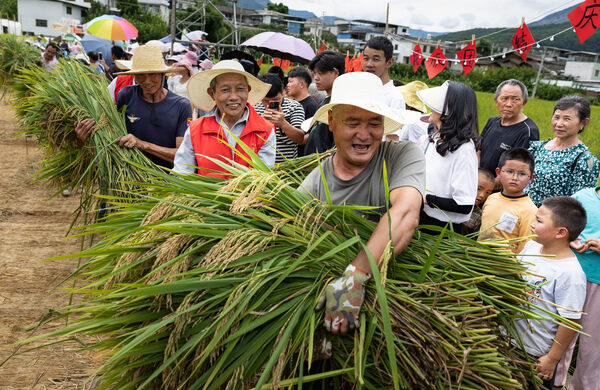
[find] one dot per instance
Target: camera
(274, 106)
(99, 55)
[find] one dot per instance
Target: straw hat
(409, 92)
(199, 83)
(363, 90)
(147, 59)
(435, 97)
(123, 64)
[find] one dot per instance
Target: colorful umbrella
(111, 27)
(281, 46)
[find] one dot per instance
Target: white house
(160, 7)
(50, 17)
(10, 27)
(583, 66)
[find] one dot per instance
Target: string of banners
(585, 20)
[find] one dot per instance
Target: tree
(97, 9)
(280, 7)
(150, 25)
(9, 7)
(216, 27)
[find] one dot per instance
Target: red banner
(585, 19)
(416, 57)
(323, 48)
(347, 64)
(522, 41)
(467, 56)
(259, 62)
(277, 62)
(435, 63)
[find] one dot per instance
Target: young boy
(485, 186)
(510, 213)
(558, 282)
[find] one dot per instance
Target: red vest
(122, 82)
(209, 139)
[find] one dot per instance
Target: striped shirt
(294, 115)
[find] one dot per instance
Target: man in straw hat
(228, 93)
(156, 119)
(358, 118)
(417, 127)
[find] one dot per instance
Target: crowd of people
(196, 117)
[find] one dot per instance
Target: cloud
(421, 20)
(468, 17)
(450, 23)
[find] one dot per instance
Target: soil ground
(33, 228)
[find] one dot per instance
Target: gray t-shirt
(405, 165)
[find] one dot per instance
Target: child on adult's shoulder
(558, 282)
(509, 214)
(587, 247)
(485, 186)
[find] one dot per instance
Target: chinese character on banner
(522, 41)
(259, 62)
(467, 56)
(276, 61)
(357, 64)
(416, 57)
(435, 63)
(285, 65)
(323, 48)
(585, 19)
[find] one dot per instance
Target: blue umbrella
(101, 45)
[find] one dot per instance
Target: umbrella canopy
(70, 37)
(101, 45)
(111, 27)
(282, 46)
(193, 35)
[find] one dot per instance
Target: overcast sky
(436, 15)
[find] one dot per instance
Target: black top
(320, 138)
(310, 106)
(495, 139)
(448, 204)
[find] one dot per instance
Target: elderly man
(227, 92)
(511, 129)
(156, 119)
(358, 118)
(49, 60)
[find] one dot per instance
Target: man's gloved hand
(344, 297)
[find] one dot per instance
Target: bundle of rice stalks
(206, 285)
(15, 53)
(48, 104)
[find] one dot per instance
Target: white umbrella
(193, 35)
(164, 48)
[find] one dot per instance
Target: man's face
(510, 102)
(374, 62)
(357, 133)
(324, 79)
(294, 87)
(49, 53)
(230, 94)
(268, 100)
(150, 83)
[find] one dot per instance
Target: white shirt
(451, 176)
(393, 98)
(175, 85)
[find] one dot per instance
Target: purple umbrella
(281, 46)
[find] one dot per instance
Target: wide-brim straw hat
(409, 92)
(200, 82)
(435, 97)
(363, 90)
(147, 59)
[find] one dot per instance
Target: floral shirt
(561, 172)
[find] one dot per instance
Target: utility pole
(387, 19)
(204, 16)
(173, 14)
(235, 33)
(537, 79)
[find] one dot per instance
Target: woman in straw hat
(156, 119)
(228, 93)
(450, 153)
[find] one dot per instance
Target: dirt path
(33, 228)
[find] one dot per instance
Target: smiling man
(378, 58)
(511, 129)
(227, 92)
(358, 117)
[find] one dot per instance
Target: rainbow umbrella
(111, 27)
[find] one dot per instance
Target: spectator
(156, 119)
(326, 67)
(450, 154)
(116, 53)
(287, 115)
(94, 64)
(511, 129)
(178, 83)
(378, 57)
(485, 187)
(277, 71)
(417, 128)
(227, 92)
(297, 88)
(49, 60)
(564, 165)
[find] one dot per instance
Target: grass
(541, 113)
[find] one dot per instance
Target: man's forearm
(296, 135)
(162, 152)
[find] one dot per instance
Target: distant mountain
(557, 17)
(422, 34)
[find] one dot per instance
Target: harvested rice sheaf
(191, 290)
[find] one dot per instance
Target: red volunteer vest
(209, 139)
(122, 82)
